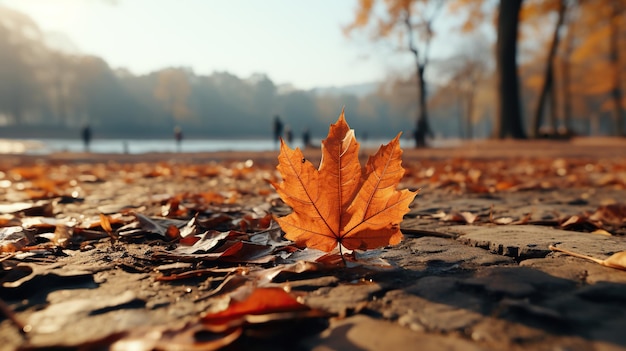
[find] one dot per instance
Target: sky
(292, 41)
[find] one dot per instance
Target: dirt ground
(96, 254)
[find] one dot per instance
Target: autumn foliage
(342, 203)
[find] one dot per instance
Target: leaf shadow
(508, 300)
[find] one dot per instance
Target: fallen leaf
(340, 203)
(213, 272)
(580, 223)
(62, 235)
(617, 260)
(161, 226)
(251, 253)
(260, 301)
(230, 284)
(205, 242)
(189, 230)
(15, 207)
(215, 220)
(261, 307)
(272, 237)
(172, 232)
(460, 217)
(94, 222)
(40, 222)
(14, 238)
(614, 214)
(167, 338)
(106, 223)
(56, 316)
(9, 220)
(30, 278)
(229, 248)
(601, 232)
(266, 276)
(503, 220)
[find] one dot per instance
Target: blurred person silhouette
(288, 135)
(278, 128)
(86, 135)
(306, 138)
(178, 136)
(422, 133)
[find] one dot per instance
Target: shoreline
(484, 149)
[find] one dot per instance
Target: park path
(474, 271)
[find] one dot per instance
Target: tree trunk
(470, 113)
(460, 112)
(509, 107)
(616, 92)
(422, 128)
(549, 74)
(553, 104)
(565, 85)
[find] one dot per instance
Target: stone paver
(529, 241)
(365, 333)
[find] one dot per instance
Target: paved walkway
(474, 271)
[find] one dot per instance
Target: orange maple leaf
(342, 203)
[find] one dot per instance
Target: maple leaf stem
(345, 264)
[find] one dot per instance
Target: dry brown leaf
(614, 214)
(105, 223)
(261, 301)
(340, 203)
(601, 232)
(62, 235)
(14, 238)
(617, 260)
(503, 220)
(460, 217)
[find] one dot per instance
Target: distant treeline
(47, 93)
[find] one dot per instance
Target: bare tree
(617, 7)
(413, 19)
(463, 75)
(566, 63)
(548, 77)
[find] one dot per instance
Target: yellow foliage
(535, 81)
(473, 11)
(594, 43)
(363, 12)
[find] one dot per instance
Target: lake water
(157, 145)
(46, 146)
